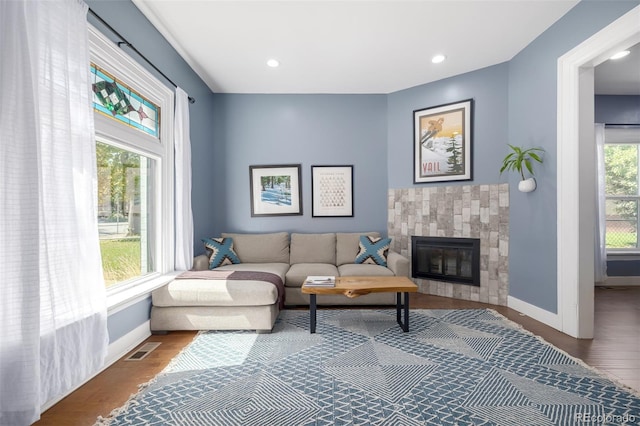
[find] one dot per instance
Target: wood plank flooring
(615, 351)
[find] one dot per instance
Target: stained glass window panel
(118, 101)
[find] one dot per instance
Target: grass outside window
(120, 259)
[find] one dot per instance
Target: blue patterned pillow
(373, 250)
(220, 251)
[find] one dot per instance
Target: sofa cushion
(348, 245)
(313, 248)
(300, 271)
(220, 252)
(373, 250)
(364, 270)
(197, 292)
(261, 248)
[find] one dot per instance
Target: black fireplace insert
(454, 260)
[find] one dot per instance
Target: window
(133, 115)
(125, 200)
(622, 160)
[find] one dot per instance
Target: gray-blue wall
(298, 129)
(488, 89)
(613, 109)
(131, 24)
(532, 122)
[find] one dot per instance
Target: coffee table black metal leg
(406, 312)
(399, 306)
(312, 313)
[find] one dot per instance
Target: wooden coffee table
(359, 286)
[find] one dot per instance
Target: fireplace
(455, 260)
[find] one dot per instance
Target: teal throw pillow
(373, 250)
(220, 251)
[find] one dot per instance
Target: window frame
(105, 54)
(624, 135)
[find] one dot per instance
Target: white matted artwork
(332, 191)
(275, 190)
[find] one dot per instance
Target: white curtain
(184, 216)
(52, 296)
(600, 243)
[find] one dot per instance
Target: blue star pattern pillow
(373, 250)
(220, 251)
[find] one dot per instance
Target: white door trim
(575, 189)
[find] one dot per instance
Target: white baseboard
(620, 282)
(116, 350)
(126, 343)
(538, 314)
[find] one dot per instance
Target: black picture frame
(443, 143)
(275, 190)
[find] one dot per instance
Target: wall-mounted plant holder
(520, 159)
(527, 185)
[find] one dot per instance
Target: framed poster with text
(443, 143)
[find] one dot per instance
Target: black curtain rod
(131, 46)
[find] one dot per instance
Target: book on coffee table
(320, 281)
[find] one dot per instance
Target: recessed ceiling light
(621, 54)
(438, 58)
(273, 63)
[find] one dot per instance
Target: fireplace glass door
(446, 259)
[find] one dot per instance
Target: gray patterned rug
(454, 367)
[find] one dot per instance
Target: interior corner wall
(314, 129)
(125, 17)
(532, 118)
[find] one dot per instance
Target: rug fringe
(106, 421)
(614, 380)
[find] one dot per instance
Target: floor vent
(142, 351)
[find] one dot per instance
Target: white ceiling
(350, 46)
(619, 77)
(358, 46)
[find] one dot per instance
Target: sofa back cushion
(313, 248)
(261, 248)
(348, 246)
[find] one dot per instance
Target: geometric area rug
(454, 367)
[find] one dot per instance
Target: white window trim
(106, 54)
(622, 136)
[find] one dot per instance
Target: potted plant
(520, 159)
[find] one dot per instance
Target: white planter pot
(527, 185)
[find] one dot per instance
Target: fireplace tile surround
(467, 211)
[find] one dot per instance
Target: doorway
(576, 192)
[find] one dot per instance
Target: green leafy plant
(520, 159)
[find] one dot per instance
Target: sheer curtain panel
(184, 215)
(601, 219)
(53, 303)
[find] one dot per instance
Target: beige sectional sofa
(239, 304)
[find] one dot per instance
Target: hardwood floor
(615, 351)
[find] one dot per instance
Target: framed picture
(332, 191)
(442, 143)
(275, 190)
